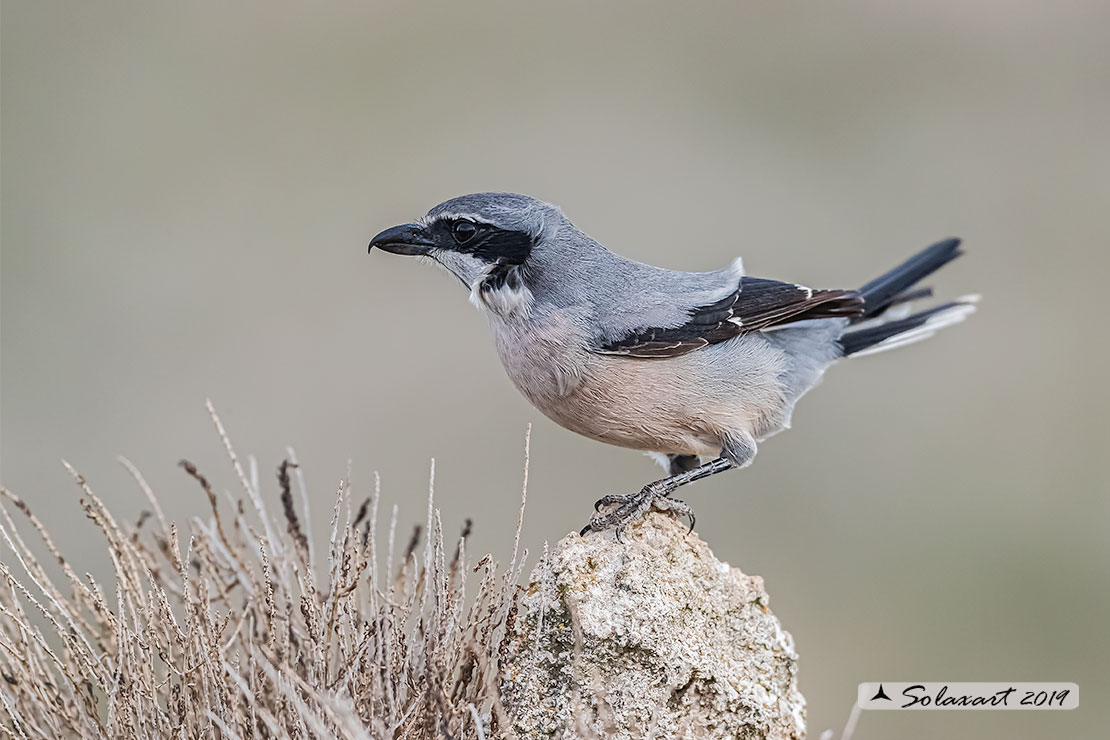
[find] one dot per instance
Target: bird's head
(478, 238)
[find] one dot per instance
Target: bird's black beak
(403, 239)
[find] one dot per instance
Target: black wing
(755, 305)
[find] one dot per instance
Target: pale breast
(544, 357)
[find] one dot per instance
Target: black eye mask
(485, 241)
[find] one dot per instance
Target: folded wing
(757, 304)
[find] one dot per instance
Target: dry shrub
(226, 632)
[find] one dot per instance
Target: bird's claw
(610, 500)
(632, 507)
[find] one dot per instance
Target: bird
(694, 368)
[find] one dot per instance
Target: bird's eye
(463, 231)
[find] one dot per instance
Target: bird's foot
(631, 507)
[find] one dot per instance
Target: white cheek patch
(465, 267)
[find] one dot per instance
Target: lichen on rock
(652, 637)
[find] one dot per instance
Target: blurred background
(188, 190)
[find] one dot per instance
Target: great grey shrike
(690, 366)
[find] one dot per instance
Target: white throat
(502, 293)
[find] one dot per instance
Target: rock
(652, 638)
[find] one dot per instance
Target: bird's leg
(630, 507)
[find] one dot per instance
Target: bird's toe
(610, 500)
(632, 507)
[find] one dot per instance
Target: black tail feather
(861, 339)
(885, 290)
